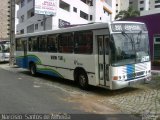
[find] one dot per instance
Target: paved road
(22, 94)
(141, 99)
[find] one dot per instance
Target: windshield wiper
(131, 40)
(139, 38)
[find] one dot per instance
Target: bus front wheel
(33, 69)
(83, 80)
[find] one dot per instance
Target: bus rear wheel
(33, 69)
(83, 80)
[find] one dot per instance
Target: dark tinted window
(66, 43)
(52, 43)
(43, 43)
(33, 44)
(84, 42)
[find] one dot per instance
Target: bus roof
(83, 27)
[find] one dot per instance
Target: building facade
(4, 19)
(146, 7)
(121, 5)
(68, 12)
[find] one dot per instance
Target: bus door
(103, 59)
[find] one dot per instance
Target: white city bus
(110, 55)
(4, 51)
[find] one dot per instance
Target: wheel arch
(77, 71)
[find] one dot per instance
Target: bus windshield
(129, 48)
(6, 48)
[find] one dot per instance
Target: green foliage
(123, 14)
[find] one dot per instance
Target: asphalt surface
(21, 94)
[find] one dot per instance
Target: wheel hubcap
(82, 80)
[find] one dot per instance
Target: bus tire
(83, 80)
(33, 69)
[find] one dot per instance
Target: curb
(155, 72)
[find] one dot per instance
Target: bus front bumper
(122, 84)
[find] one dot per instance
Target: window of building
(30, 13)
(22, 3)
(156, 48)
(88, 2)
(116, 11)
(30, 28)
(65, 43)
(141, 9)
(75, 9)
(130, 2)
(42, 23)
(22, 31)
(36, 26)
(83, 42)
(42, 43)
(157, 6)
(91, 17)
(157, 1)
(52, 44)
(63, 5)
(33, 44)
(85, 1)
(29, 1)
(116, 4)
(22, 19)
(141, 2)
(83, 15)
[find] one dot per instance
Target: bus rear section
(4, 51)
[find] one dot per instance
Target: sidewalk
(155, 70)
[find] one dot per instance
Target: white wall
(72, 17)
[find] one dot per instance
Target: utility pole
(12, 32)
(44, 22)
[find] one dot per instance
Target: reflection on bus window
(43, 43)
(66, 43)
(84, 42)
(52, 43)
(32, 44)
(6, 48)
(19, 45)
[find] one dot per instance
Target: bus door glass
(103, 59)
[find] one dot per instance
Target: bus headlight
(115, 77)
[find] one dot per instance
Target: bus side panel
(21, 60)
(63, 65)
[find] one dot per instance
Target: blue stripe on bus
(130, 71)
(23, 61)
(51, 73)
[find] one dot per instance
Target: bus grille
(134, 75)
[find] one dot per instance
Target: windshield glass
(129, 48)
(6, 48)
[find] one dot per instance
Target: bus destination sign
(128, 27)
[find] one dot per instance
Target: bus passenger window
(19, 45)
(83, 42)
(52, 43)
(43, 43)
(33, 44)
(66, 43)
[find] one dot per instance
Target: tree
(123, 14)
